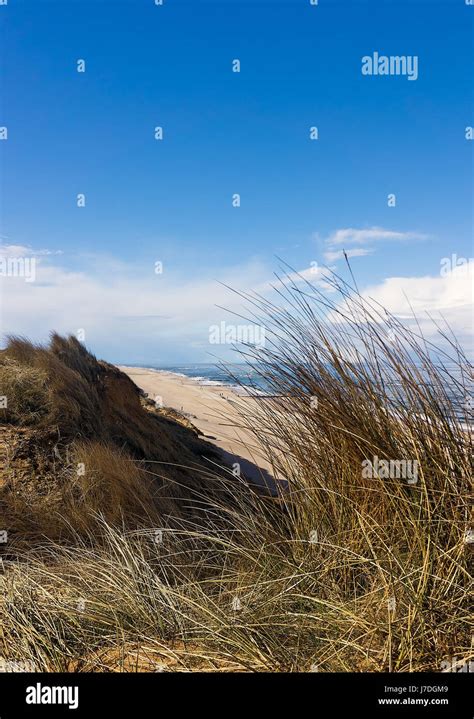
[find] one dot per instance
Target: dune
(78, 439)
(128, 540)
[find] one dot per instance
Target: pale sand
(211, 410)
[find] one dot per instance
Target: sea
(244, 379)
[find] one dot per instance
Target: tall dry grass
(391, 554)
(344, 572)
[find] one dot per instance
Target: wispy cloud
(10, 250)
(335, 255)
(346, 237)
(352, 236)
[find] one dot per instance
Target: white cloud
(428, 293)
(352, 236)
(8, 250)
(123, 307)
(126, 310)
(345, 238)
(447, 298)
(335, 255)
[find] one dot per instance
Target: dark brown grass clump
(76, 442)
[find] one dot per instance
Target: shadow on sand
(253, 474)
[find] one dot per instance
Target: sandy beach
(212, 409)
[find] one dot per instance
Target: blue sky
(226, 133)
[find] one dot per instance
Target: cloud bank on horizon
(132, 313)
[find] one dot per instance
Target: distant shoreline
(244, 389)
